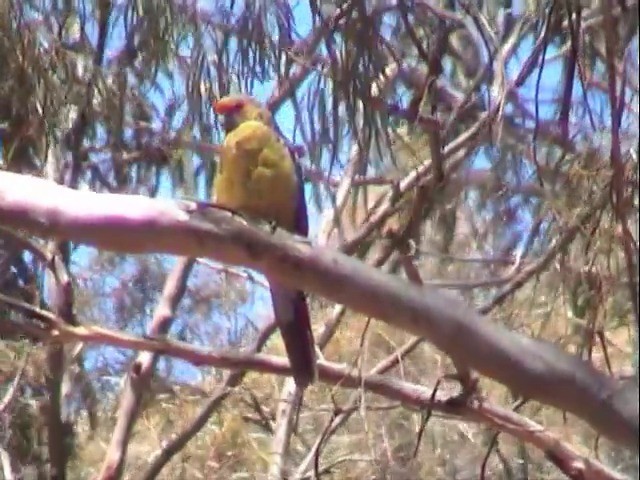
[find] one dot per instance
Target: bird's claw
(273, 226)
(469, 384)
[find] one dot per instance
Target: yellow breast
(256, 175)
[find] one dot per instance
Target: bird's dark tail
(292, 316)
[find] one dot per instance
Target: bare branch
(141, 370)
(178, 441)
(409, 394)
(11, 392)
(532, 368)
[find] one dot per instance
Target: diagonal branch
(531, 368)
(411, 395)
(141, 371)
(177, 442)
(350, 407)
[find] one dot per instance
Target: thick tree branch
(531, 368)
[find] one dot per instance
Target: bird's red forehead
(227, 105)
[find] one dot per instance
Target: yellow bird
(258, 177)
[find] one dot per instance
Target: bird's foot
(469, 383)
(273, 226)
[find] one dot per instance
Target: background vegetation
(524, 115)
